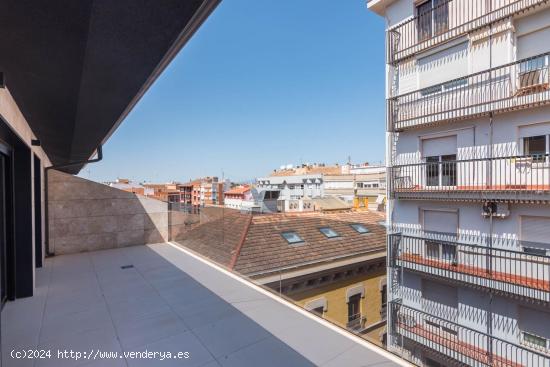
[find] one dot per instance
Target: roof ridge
(239, 247)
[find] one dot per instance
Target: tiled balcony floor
(169, 301)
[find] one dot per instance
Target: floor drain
(127, 266)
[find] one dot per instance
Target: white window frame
(434, 241)
(546, 150)
(531, 345)
(439, 164)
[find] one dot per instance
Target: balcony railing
(524, 272)
(356, 324)
(511, 178)
(521, 84)
(464, 345)
(447, 20)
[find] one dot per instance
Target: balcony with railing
(465, 346)
(518, 269)
(517, 85)
(510, 178)
(440, 21)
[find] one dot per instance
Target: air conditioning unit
(500, 210)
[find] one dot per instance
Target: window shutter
(534, 321)
(440, 221)
(534, 130)
(535, 229)
(443, 66)
(533, 44)
(439, 146)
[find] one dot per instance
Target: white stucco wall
(503, 43)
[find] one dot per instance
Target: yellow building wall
(337, 308)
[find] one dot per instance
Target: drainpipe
(491, 229)
(51, 252)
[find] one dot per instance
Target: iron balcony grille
(440, 21)
(517, 85)
(508, 178)
(464, 345)
(356, 323)
(522, 272)
(384, 312)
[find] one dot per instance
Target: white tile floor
(169, 301)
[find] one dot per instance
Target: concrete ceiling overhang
(77, 67)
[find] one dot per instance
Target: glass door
(3, 268)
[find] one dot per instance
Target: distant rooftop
(238, 190)
(318, 168)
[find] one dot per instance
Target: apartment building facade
(293, 187)
(186, 190)
(357, 188)
(239, 198)
(168, 192)
(468, 127)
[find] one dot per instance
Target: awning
(76, 68)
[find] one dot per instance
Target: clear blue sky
(262, 83)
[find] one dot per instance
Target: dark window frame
(354, 307)
(292, 242)
(355, 225)
(335, 235)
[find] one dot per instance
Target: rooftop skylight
(292, 237)
(359, 228)
(329, 232)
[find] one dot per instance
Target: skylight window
(329, 232)
(292, 237)
(359, 228)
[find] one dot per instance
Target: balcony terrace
(510, 179)
(459, 344)
(523, 272)
(517, 85)
(448, 20)
(163, 298)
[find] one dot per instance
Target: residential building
(168, 192)
(239, 197)
(325, 204)
(307, 169)
(332, 264)
(130, 186)
(186, 190)
(362, 168)
(204, 191)
(196, 199)
(468, 148)
(218, 189)
(359, 189)
(293, 186)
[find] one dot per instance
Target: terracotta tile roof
(264, 248)
(211, 241)
(253, 244)
(238, 190)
